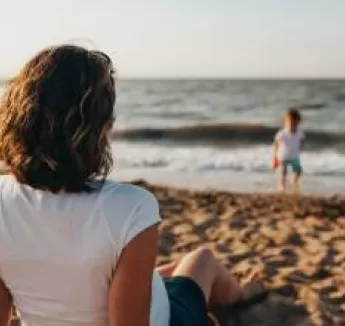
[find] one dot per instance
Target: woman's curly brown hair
(54, 119)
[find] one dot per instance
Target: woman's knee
(203, 255)
(197, 261)
(201, 268)
(201, 258)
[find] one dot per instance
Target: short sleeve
(144, 214)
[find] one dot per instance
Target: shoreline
(230, 181)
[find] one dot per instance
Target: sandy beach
(296, 243)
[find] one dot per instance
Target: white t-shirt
(58, 251)
(289, 144)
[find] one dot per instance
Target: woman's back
(58, 252)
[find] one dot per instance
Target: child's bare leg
(297, 172)
(219, 286)
(282, 174)
(296, 181)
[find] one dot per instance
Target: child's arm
(278, 138)
(302, 137)
(275, 160)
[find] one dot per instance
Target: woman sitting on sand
(76, 249)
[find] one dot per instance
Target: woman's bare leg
(219, 286)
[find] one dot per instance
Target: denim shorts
(188, 305)
(294, 164)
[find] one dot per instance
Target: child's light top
(289, 144)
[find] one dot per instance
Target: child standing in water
(286, 149)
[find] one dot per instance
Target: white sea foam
(206, 158)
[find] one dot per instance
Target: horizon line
(232, 78)
(215, 78)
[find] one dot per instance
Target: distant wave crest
(227, 134)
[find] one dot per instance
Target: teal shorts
(188, 305)
(294, 164)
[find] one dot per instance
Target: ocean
(217, 133)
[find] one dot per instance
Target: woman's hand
(166, 270)
(130, 290)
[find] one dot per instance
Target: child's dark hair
(293, 114)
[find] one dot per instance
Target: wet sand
(296, 243)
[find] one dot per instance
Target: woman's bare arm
(130, 290)
(5, 305)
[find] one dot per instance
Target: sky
(185, 38)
